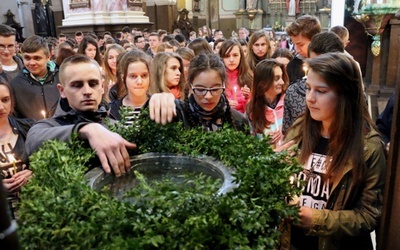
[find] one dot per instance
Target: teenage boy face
(301, 44)
(8, 43)
(82, 86)
(36, 62)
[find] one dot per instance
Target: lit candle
(11, 158)
(43, 114)
(234, 92)
(291, 180)
(305, 70)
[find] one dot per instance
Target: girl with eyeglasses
(206, 105)
(265, 109)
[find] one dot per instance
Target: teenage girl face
(5, 102)
(137, 79)
(277, 87)
(217, 48)
(112, 60)
(208, 79)
(90, 51)
(232, 58)
(260, 47)
(245, 50)
(172, 72)
(186, 64)
(321, 99)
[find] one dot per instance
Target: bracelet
(11, 229)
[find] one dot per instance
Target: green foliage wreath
(59, 211)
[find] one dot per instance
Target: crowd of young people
(254, 85)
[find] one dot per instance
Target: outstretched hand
(162, 107)
(110, 147)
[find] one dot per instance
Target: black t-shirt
(315, 194)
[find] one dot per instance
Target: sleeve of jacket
(384, 121)
(45, 130)
(366, 213)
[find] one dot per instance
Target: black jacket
(20, 127)
(31, 97)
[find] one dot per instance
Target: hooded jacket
(62, 125)
(33, 97)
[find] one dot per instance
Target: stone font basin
(155, 166)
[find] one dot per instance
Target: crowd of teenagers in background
(51, 88)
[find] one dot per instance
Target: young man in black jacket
(80, 111)
(35, 87)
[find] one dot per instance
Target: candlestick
(234, 92)
(43, 114)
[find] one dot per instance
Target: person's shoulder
(295, 130)
(240, 121)
(372, 139)
(20, 78)
(22, 125)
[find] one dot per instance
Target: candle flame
(11, 158)
(43, 113)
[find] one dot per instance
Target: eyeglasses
(4, 47)
(213, 91)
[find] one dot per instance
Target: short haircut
(306, 26)
(162, 32)
(118, 35)
(136, 38)
(126, 29)
(35, 43)
(155, 34)
(74, 60)
(215, 31)
(7, 31)
(62, 35)
(167, 38)
(79, 33)
(180, 38)
(340, 30)
(325, 42)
